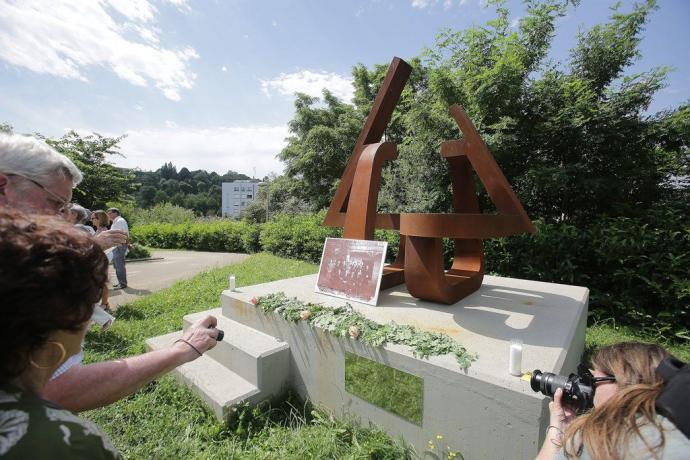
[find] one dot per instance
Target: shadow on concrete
(493, 312)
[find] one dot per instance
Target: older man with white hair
(35, 178)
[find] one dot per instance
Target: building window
(249, 196)
(237, 189)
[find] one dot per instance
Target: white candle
(231, 282)
(515, 365)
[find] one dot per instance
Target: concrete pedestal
(484, 412)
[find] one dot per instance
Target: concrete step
(259, 358)
(221, 388)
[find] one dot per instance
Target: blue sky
(209, 84)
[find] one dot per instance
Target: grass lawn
(166, 420)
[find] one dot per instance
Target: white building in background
(236, 195)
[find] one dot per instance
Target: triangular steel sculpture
(420, 257)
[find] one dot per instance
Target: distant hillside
(197, 190)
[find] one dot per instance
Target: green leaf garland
(344, 322)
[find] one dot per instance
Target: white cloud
(224, 69)
(181, 5)
(217, 149)
(422, 3)
(447, 4)
(134, 10)
(311, 83)
(71, 36)
(515, 22)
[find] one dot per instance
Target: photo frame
(352, 269)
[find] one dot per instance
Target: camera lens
(575, 393)
(547, 383)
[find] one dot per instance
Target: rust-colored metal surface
(420, 262)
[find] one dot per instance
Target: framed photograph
(352, 269)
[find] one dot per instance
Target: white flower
(13, 426)
(354, 332)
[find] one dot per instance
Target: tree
(168, 171)
(184, 175)
(573, 139)
(102, 181)
(198, 190)
(318, 149)
(161, 197)
(146, 196)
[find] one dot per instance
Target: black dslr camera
(578, 389)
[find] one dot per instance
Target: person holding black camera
(623, 387)
(51, 275)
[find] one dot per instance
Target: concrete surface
(218, 386)
(146, 277)
(483, 412)
(260, 365)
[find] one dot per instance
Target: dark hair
(51, 275)
(102, 218)
(115, 210)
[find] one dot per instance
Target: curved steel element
(420, 262)
(424, 264)
(360, 220)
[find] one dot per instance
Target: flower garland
(345, 322)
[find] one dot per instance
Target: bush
(137, 251)
(160, 213)
(297, 237)
(215, 235)
(638, 270)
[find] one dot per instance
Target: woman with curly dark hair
(51, 275)
(623, 423)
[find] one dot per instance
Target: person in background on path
(119, 223)
(78, 215)
(100, 220)
(39, 332)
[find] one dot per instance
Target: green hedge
(217, 235)
(638, 270)
(301, 237)
(137, 251)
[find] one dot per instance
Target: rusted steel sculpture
(420, 257)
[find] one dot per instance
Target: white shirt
(119, 223)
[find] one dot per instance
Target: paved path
(146, 277)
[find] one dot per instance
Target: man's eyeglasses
(58, 203)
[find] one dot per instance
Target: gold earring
(63, 353)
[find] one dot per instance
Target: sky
(209, 84)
